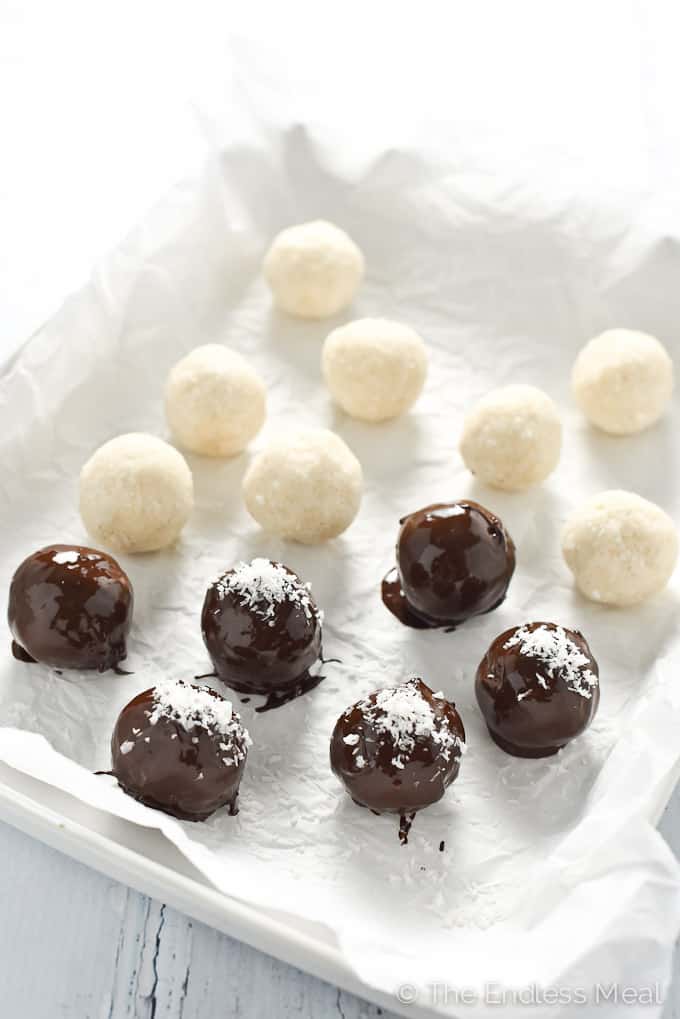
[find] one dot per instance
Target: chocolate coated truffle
(454, 560)
(70, 607)
(398, 750)
(538, 688)
(262, 630)
(181, 749)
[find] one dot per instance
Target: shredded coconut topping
(559, 655)
(62, 558)
(402, 714)
(262, 585)
(189, 705)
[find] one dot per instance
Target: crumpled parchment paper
(552, 873)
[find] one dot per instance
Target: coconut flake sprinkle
(403, 714)
(189, 705)
(559, 655)
(68, 557)
(263, 585)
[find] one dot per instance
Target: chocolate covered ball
(454, 560)
(181, 749)
(398, 750)
(70, 607)
(262, 630)
(538, 688)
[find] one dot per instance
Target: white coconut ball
(512, 437)
(313, 269)
(136, 493)
(214, 401)
(623, 380)
(620, 548)
(305, 486)
(375, 369)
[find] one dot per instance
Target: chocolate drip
(395, 600)
(405, 822)
(20, 654)
(277, 698)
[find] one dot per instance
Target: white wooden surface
(90, 136)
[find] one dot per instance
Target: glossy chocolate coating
(262, 652)
(177, 770)
(454, 560)
(366, 767)
(529, 709)
(70, 607)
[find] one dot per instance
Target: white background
(101, 109)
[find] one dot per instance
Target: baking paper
(551, 875)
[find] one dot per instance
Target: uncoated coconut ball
(622, 380)
(512, 438)
(374, 368)
(313, 269)
(214, 402)
(136, 493)
(621, 548)
(305, 486)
